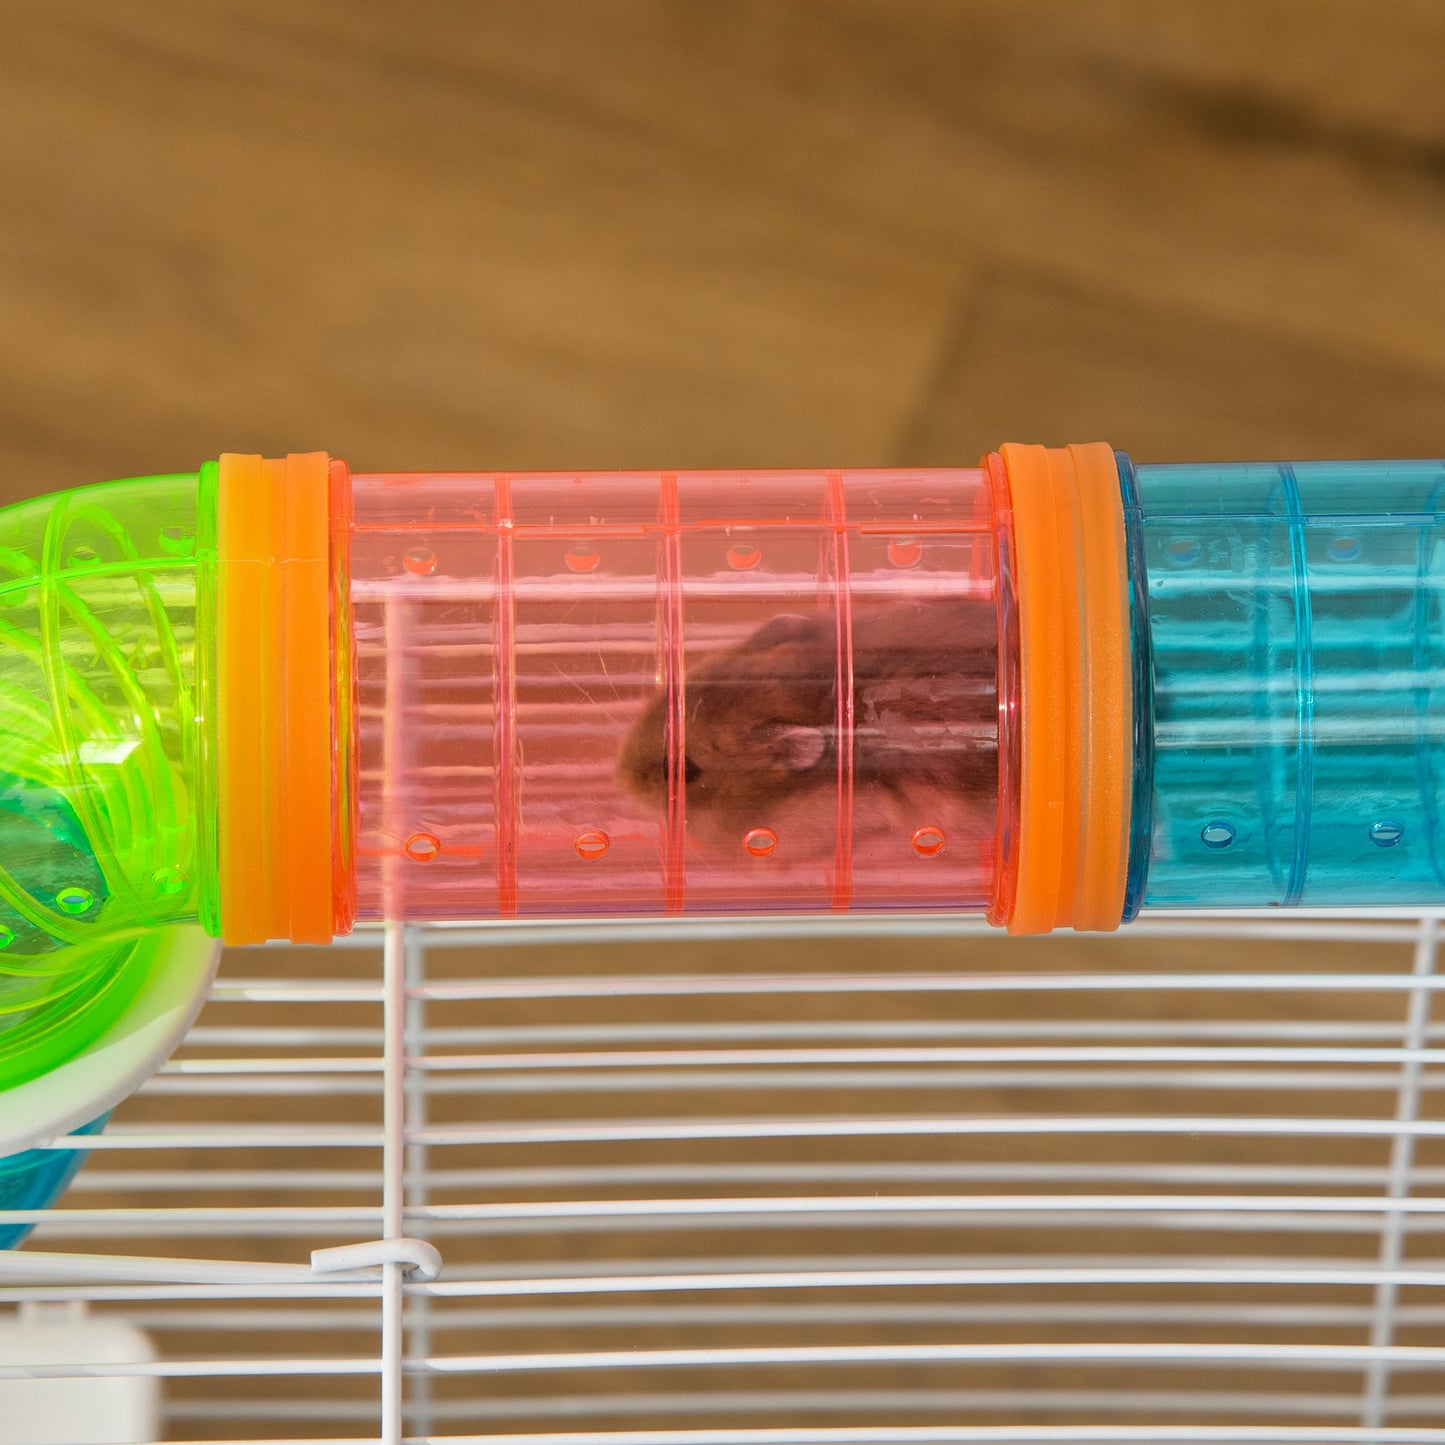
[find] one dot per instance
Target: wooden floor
(567, 233)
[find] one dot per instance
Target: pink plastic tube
(700, 692)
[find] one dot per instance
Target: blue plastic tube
(1289, 654)
(36, 1178)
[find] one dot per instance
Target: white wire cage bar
(783, 1181)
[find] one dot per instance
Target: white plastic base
(71, 1411)
(123, 1057)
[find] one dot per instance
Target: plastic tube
(100, 756)
(279, 697)
(35, 1178)
(626, 693)
(1297, 652)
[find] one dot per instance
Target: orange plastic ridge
(274, 686)
(1070, 865)
(343, 705)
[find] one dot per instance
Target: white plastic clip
(420, 1260)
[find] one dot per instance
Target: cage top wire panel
(790, 1184)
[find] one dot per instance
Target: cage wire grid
(847, 1180)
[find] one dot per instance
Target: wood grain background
(696, 232)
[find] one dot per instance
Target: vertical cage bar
(393, 1174)
(418, 1311)
(1394, 1222)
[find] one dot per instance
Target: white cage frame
(1365, 1315)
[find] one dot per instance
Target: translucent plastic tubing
(280, 697)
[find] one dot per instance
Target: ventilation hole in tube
(1183, 551)
(743, 557)
(423, 847)
(928, 840)
(760, 842)
(905, 551)
(1345, 549)
(1386, 833)
(168, 880)
(74, 899)
(177, 541)
(582, 558)
(1217, 834)
(420, 561)
(592, 844)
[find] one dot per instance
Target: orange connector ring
(274, 682)
(1070, 863)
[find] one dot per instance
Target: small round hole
(592, 844)
(760, 842)
(422, 847)
(420, 561)
(74, 900)
(1386, 833)
(582, 558)
(1217, 834)
(905, 551)
(743, 557)
(177, 541)
(83, 556)
(1183, 551)
(168, 880)
(928, 840)
(1345, 549)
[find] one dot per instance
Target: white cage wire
(768, 1181)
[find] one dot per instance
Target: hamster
(761, 717)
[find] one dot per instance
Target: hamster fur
(761, 724)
